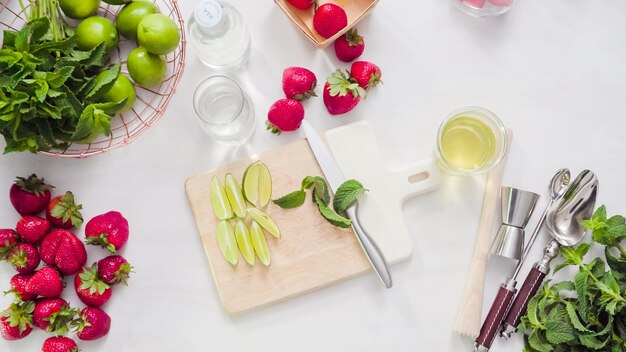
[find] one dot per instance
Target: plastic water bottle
(219, 35)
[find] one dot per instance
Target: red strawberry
(8, 240)
(64, 250)
(350, 46)
(285, 115)
(366, 74)
(16, 322)
(53, 315)
(46, 282)
(18, 287)
(33, 228)
(114, 269)
(299, 83)
(341, 94)
(59, 344)
(93, 324)
(108, 230)
(90, 288)
(63, 212)
(30, 195)
(24, 258)
(301, 4)
(329, 19)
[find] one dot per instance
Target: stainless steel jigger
(517, 208)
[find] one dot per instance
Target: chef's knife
(335, 178)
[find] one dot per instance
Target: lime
(158, 33)
(244, 242)
(221, 206)
(265, 221)
(79, 9)
(95, 30)
(117, 2)
(226, 242)
(259, 244)
(233, 192)
(265, 185)
(122, 89)
(129, 17)
(251, 183)
(146, 69)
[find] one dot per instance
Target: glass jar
(485, 8)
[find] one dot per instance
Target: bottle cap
(208, 13)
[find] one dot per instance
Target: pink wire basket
(151, 103)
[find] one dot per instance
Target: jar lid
(208, 13)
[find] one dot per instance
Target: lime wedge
(265, 185)
(251, 183)
(227, 243)
(260, 245)
(265, 221)
(219, 201)
(244, 242)
(233, 193)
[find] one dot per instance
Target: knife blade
(335, 178)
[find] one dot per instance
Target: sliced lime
(251, 183)
(265, 221)
(244, 242)
(265, 185)
(233, 193)
(260, 245)
(219, 201)
(227, 243)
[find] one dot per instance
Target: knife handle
(375, 256)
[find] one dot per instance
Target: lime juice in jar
(471, 140)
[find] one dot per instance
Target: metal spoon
(499, 308)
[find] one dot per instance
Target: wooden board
(311, 253)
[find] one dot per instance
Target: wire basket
(150, 104)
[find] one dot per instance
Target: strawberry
(504, 3)
(16, 322)
(32, 228)
(93, 324)
(479, 4)
(350, 46)
(18, 287)
(64, 250)
(63, 212)
(366, 74)
(341, 94)
(114, 269)
(108, 230)
(299, 83)
(90, 288)
(8, 240)
(46, 282)
(24, 258)
(285, 115)
(30, 195)
(59, 344)
(301, 4)
(329, 19)
(53, 315)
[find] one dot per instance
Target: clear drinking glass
(485, 8)
(224, 110)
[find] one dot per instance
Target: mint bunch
(345, 197)
(588, 312)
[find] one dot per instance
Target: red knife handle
(530, 287)
(494, 318)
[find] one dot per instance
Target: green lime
(265, 221)
(122, 89)
(227, 243)
(251, 183)
(95, 30)
(129, 17)
(221, 206)
(233, 192)
(146, 69)
(117, 2)
(158, 33)
(265, 185)
(79, 9)
(260, 245)
(244, 242)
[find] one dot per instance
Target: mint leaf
(592, 342)
(574, 256)
(558, 327)
(330, 214)
(538, 342)
(103, 82)
(319, 186)
(347, 195)
(582, 290)
(573, 318)
(532, 313)
(291, 200)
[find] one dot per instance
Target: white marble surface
(554, 71)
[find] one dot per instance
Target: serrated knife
(335, 178)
